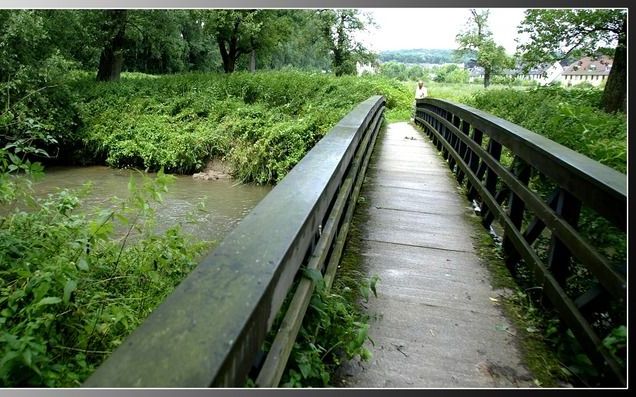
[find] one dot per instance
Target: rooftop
(590, 66)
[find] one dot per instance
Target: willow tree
(555, 35)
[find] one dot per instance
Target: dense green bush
(262, 123)
(73, 285)
(571, 117)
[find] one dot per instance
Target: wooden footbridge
(436, 321)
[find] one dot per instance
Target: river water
(226, 202)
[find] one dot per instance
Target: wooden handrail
(505, 194)
(209, 331)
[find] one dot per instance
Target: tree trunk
(228, 57)
(253, 61)
(111, 59)
(486, 77)
(615, 92)
(230, 54)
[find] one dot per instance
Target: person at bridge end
(421, 91)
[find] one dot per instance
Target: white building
(590, 70)
(545, 74)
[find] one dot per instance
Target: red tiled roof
(589, 66)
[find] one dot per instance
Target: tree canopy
(339, 27)
(557, 34)
(477, 38)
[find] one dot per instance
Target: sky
(402, 28)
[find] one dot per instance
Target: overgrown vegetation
(261, 123)
(74, 284)
(571, 117)
(334, 329)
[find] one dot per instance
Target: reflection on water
(226, 202)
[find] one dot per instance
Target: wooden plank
(433, 294)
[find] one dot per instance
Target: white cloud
(400, 28)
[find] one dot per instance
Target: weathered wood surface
(435, 322)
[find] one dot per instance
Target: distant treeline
(423, 55)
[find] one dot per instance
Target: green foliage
(262, 123)
(555, 33)
(570, 117)
(451, 74)
(477, 39)
(339, 28)
(36, 105)
(74, 285)
(302, 46)
(333, 330)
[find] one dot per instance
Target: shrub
(74, 285)
(571, 117)
(261, 123)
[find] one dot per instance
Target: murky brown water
(226, 201)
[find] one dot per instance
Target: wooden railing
(538, 191)
(210, 330)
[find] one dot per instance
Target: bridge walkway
(436, 321)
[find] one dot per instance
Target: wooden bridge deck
(434, 323)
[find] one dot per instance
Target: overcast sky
(401, 28)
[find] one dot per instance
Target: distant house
(544, 74)
(588, 69)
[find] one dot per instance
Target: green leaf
(373, 283)
(313, 274)
(27, 357)
(71, 285)
(305, 369)
(49, 300)
(364, 291)
(82, 264)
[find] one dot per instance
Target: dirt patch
(214, 170)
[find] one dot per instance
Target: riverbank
(261, 124)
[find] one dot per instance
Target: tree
(111, 59)
(451, 74)
(37, 107)
(294, 40)
(235, 32)
(338, 27)
(556, 34)
(200, 50)
(477, 39)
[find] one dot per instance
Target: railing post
(474, 161)
(463, 149)
(569, 208)
(516, 208)
(444, 131)
(494, 148)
